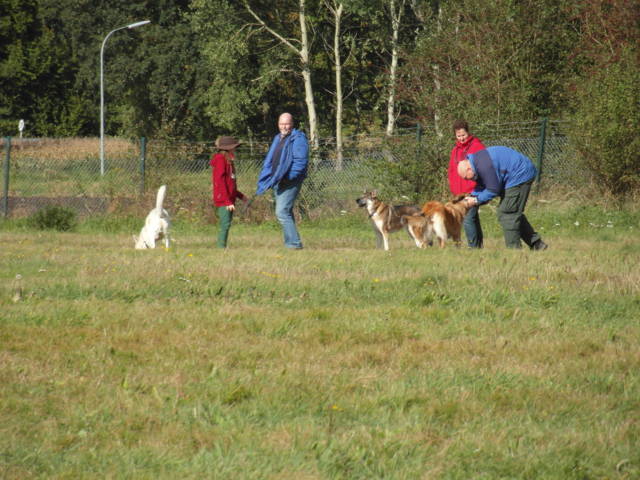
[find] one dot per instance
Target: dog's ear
(374, 193)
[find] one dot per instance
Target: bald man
(283, 170)
(504, 172)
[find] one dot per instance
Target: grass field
(336, 361)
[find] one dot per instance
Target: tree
(337, 10)
(36, 72)
(396, 9)
(303, 52)
(606, 93)
(489, 61)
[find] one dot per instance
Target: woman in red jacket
(465, 144)
(225, 190)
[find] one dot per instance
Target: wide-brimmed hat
(227, 143)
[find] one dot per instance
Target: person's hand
(231, 208)
(471, 201)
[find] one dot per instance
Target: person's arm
(220, 191)
(488, 186)
(300, 152)
(452, 172)
(265, 173)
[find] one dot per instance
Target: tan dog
(420, 228)
(442, 220)
(385, 218)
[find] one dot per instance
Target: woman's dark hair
(460, 124)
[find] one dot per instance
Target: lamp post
(132, 25)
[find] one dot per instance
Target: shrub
(411, 169)
(54, 218)
(604, 129)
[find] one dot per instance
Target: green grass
(337, 361)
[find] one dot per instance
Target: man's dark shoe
(539, 245)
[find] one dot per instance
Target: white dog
(156, 225)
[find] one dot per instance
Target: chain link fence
(67, 172)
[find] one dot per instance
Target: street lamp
(132, 25)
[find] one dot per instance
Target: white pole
(132, 25)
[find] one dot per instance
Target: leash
(245, 209)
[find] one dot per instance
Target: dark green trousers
(224, 224)
(515, 225)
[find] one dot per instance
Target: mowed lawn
(336, 361)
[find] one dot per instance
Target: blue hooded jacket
(499, 168)
(293, 161)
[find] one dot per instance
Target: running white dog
(156, 225)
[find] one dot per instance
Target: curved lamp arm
(130, 26)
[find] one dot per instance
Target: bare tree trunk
(337, 10)
(306, 75)
(303, 53)
(436, 80)
(396, 17)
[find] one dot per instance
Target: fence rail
(41, 172)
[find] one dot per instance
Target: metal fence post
(542, 140)
(143, 156)
(7, 161)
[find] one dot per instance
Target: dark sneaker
(539, 245)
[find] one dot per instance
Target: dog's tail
(160, 198)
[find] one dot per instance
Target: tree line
(207, 67)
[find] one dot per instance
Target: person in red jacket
(225, 190)
(465, 144)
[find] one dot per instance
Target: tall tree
(489, 61)
(36, 72)
(606, 93)
(396, 9)
(303, 52)
(336, 8)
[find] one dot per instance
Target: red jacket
(459, 185)
(223, 178)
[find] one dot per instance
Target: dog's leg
(385, 239)
(440, 230)
(379, 242)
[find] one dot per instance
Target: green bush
(604, 132)
(54, 217)
(411, 169)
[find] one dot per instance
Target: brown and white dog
(442, 220)
(385, 218)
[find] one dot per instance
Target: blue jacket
(499, 168)
(293, 161)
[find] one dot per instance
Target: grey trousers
(515, 225)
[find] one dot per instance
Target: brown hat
(227, 143)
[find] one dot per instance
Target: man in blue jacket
(504, 172)
(284, 169)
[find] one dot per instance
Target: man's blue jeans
(286, 193)
(472, 228)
